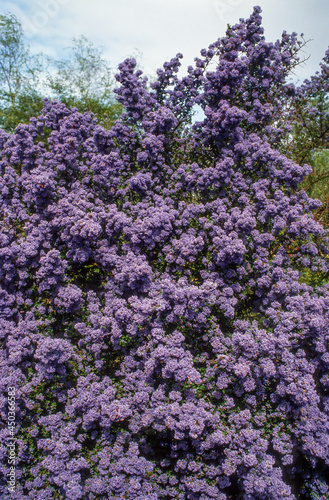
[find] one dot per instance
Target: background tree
(85, 81)
(20, 72)
(310, 135)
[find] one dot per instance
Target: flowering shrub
(157, 318)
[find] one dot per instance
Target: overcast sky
(158, 29)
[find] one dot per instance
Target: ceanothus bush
(164, 306)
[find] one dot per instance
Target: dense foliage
(164, 312)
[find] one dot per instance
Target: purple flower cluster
(158, 316)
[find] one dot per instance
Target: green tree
(311, 140)
(309, 114)
(20, 72)
(85, 81)
(316, 184)
(310, 127)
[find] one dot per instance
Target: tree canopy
(19, 76)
